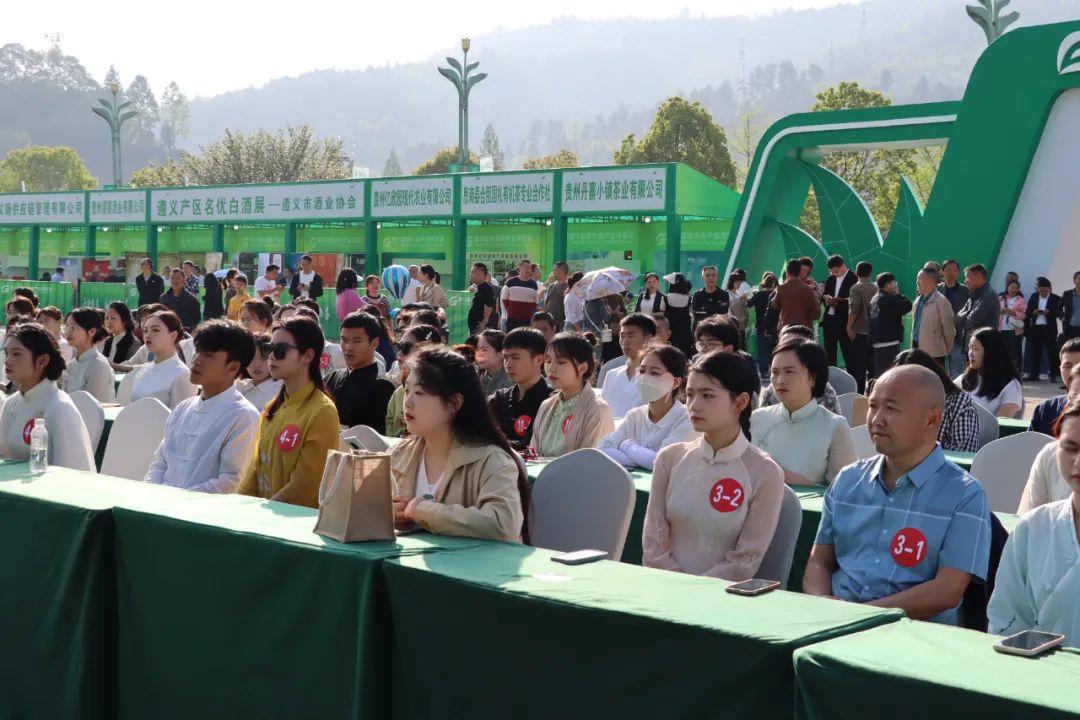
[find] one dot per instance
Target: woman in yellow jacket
(299, 426)
(456, 474)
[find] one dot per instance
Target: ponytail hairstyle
(307, 335)
(576, 348)
(733, 373)
(89, 319)
(444, 373)
(39, 341)
(172, 323)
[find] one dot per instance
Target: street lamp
(116, 114)
(464, 83)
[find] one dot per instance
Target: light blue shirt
(888, 542)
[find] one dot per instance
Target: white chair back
(135, 436)
(583, 501)
(776, 565)
(988, 428)
(123, 393)
(93, 415)
(864, 446)
(845, 402)
(842, 381)
(368, 438)
(608, 367)
(1003, 466)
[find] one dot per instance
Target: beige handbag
(355, 497)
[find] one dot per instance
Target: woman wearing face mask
(1038, 579)
(456, 474)
(649, 428)
(715, 501)
(575, 416)
(90, 371)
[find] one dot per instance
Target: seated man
(1048, 411)
(828, 400)
(720, 333)
(359, 392)
(620, 389)
(905, 529)
(515, 407)
(210, 438)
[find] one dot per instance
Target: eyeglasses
(703, 347)
(281, 349)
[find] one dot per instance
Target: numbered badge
(27, 429)
(726, 495)
(908, 547)
(566, 424)
(324, 361)
(521, 425)
(288, 438)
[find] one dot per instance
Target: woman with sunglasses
(299, 426)
(414, 339)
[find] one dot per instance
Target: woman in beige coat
(575, 416)
(456, 474)
(431, 291)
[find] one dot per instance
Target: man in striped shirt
(520, 296)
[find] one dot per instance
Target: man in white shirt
(412, 293)
(266, 286)
(620, 391)
(210, 438)
(307, 283)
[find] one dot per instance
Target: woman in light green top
(575, 416)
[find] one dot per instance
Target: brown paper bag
(355, 498)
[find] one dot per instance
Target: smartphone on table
(750, 588)
(580, 557)
(1029, 643)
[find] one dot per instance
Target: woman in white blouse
(260, 388)
(89, 371)
(1038, 579)
(649, 428)
(166, 378)
(52, 319)
(991, 378)
(33, 363)
(810, 443)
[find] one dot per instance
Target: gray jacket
(980, 310)
(959, 297)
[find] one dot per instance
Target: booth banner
(102, 267)
(43, 209)
(125, 207)
(259, 203)
(412, 197)
(62, 295)
(522, 194)
(618, 190)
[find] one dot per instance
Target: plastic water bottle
(39, 447)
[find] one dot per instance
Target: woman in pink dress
(347, 299)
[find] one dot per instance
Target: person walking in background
(431, 291)
(982, 307)
(650, 300)
(347, 300)
(738, 310)
(372, 296)
(957, 294)
(555, 299)
(307, 283)
(181, 302)
(1012, 313)
(764, 322)
(934, 327)
(192, 280)
(858, 324)
(712, 299)
(483, 300)
(797, 302)
(213, 305)
(149, 284)
(520, 296)
(1041, 328)
(266, 285)
(678, 312)
(887, 311)
(836, 298)
(573, 305)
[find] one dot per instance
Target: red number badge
(27, 429)
(324, 361)
(289, 438)
(521, 425)
(908, 547)
(566, 424)
(726, 495)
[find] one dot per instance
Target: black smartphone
(753, 587)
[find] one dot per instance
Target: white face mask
(654, 387)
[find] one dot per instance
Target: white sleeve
(618, 456)
(1013, 394)
(1037, 490)
(181, 390)
(615, 438)
(155, 474)
(1012, 607)
(69, 443)
(102, 383)
(236, 451)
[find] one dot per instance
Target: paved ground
(1036, 392)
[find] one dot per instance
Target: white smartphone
(580, 557)
(1029, 643)
(753, 587)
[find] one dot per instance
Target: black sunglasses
(404, 348)
(281, 349)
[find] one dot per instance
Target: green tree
(45, 169)
(563, 158)
(393, 165)
(440, 163)
(143, 127)
(682, 132)
(752, 124)
(873, 174)
(292, 155)
(490, 146)
(175, 116)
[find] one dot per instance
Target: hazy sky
(209, 47)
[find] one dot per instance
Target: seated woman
(90, 371)
(647, 429)
(715, 501)
(1045, 483)
(121, 343)
(256, 316)
(456, 474)
(575, 416)
(34, 365)
(489, 361)
(414, 339)
(259, 388)
(1038, 580)
(959, 431)
(808, 441)
(167, 377)
(299, 426)
(52, 319)
(991, 378)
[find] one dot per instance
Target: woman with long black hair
(991, 378)
(121, 343)
(299, 426)
(456, 474)
(213, 303)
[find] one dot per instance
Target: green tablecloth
(910, 669)
(504, 632)
(1012, 426)
(963, 459)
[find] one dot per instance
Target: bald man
(904, 529)
(412, 293)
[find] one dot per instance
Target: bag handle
(334, 460)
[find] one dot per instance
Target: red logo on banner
(289, 438)
(566, 423)
(521, 425)
(324, 361)
(27, 429)
(726, 495)
(908, 547)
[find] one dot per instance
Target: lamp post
(459, 75)
(116, 114)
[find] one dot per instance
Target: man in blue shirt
(905, 529)
(1042, 420)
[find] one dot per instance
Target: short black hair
(544, 316)
(525, 338)
(884, 279)
(360, 320)
(272, 267)
(493, 337)
(803, 331)
(793, 267)
(426, 317)
(235, 340)
(807, 261)
(812, 356)
(480, 266)
(428, 270)
(977, 268)
(719, 328)
(1072, 345)
(1042, 282)
(640, 320)
(949, 262)
(834, 262)
(864, 269)
(310, 304)
(306, 257)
